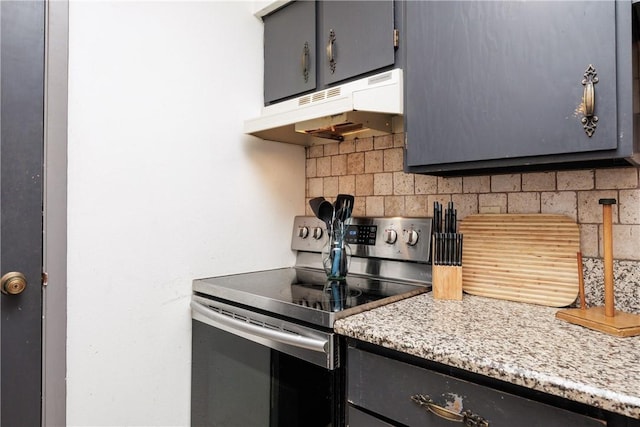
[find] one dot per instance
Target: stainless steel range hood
(367, 107)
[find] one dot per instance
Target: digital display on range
(361, 234)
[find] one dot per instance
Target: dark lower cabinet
(495, 84)
(385, 391)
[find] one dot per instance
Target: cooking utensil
(326, 213)
(521, 257)
(315, 205)
(343, 206)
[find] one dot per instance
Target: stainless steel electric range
(264, 350)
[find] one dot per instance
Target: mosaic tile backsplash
(372, 170)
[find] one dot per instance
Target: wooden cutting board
(521, 257)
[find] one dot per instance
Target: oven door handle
(295, 340)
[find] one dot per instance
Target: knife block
(447, 282)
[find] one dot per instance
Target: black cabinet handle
(467, 417)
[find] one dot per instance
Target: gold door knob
(13, 283)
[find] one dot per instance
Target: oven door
(249, 369)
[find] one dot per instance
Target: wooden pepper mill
(605, 319)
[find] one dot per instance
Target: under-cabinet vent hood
(367, 107)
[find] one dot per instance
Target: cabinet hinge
(396, 37)
(45, 278)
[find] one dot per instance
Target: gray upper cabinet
(310, 45)
(511, 84)
(290, 51)
(356, 37)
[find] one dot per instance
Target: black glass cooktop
(305, 294)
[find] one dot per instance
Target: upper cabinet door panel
(494, 79)
(362, 34)
(289, 51)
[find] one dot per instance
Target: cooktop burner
(305, 294)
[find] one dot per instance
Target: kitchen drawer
(385, 386)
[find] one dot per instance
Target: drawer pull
(467, 417)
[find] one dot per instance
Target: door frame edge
(54, 290)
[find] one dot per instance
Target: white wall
(163, 188)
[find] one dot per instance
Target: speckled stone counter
(520, 343)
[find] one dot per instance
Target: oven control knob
(390, 236)
(303, 232)
(411, 237)
(317, 233)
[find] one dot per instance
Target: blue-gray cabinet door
(355, 37)
(503, 80)
(290, 51)
(21, 183)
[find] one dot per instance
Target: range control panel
(398, 238)
(361, 234)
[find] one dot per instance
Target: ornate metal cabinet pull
(468, 418)
(305, 62)
(330, 58)
(590, 120)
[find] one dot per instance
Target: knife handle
(434, 249)
(447, 249)
(446, 221)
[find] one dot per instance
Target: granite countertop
(519, 343)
